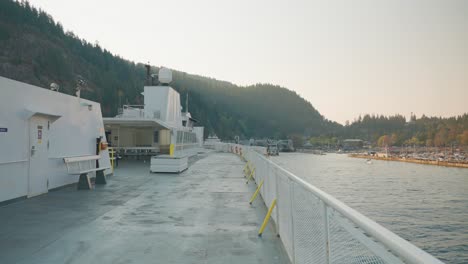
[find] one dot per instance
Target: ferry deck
(199, 216)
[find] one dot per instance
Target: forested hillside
(397, 131)
(35, 49)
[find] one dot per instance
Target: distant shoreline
(410, 160)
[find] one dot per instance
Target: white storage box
(166, 163)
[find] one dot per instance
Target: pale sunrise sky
(345, 57)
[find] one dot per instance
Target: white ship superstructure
(157, 128)
(39, 128)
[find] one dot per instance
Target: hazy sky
(345, 57)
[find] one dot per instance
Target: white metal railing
(12, 161)
(137, 111)
(189, 149)
(315, 227)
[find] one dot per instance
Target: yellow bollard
(267, 217)
(171, 150)
(250, 176)
(246, 169)
(256, 192)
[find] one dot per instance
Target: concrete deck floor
(199, 216)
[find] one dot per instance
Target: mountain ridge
(35, 49)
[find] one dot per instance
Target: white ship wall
(163, 102)
(74, 133)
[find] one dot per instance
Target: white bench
(82, 165)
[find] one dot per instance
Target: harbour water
(426, 205)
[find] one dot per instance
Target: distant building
(350, 144)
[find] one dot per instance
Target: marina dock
(412, 160)
(199, 216)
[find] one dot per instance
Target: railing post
(325, 227)
(277, 199)
(291, 206)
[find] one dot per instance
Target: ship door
(39, 127)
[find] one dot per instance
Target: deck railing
(315, 227)
(189, 149)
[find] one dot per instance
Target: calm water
(426, 205)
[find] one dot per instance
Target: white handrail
(396, 245)
(12, 161)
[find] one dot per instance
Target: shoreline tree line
(395, 130)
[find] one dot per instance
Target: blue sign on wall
(3, 129)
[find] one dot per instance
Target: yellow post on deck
(171, 150)
(251, 175)
(246, 168)
(256, 192)
(267, 217)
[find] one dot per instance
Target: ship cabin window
(156, 136)
(186, 137)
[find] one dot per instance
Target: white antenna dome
(54, 87)
(165, 75)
